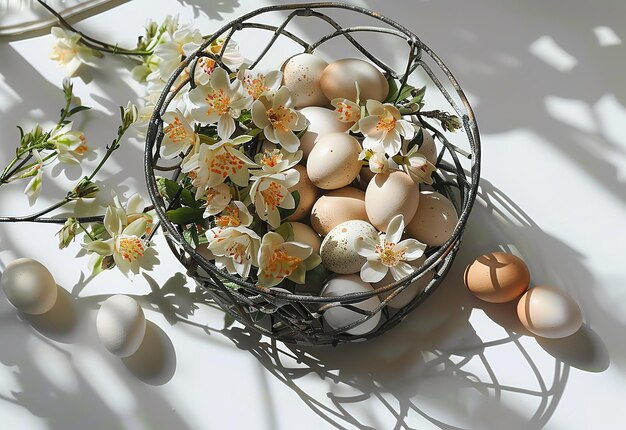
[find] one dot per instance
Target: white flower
(70, 145)
(378, 162)
(33, 188)
(235, 248)
(418, 167)
(68, 51)
(275, 161)
(348, 112)
(279, 260)
(384, 127)
(217, 199)
(390, 254)
(134, 209)
(234, 215)
(220, 102)
(231, 58)
(278, 119)
(257, 84)
(144, 113)
(178, 135)
(170, 54)
(270, 192)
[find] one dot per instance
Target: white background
(547, 82)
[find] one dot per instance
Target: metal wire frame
(296, 318)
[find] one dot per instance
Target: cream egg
(29, 286)
(308, 195)
(339, 78)
(304, 234)
(321, 121)
(410, 292)
(301, 74)
(334, 161)
(337, 206)
(549, 312)
(338, 317)
(434, 221)
(497, 277)
(121, 325)
(390, 194)
(338, 252)
(428, 148)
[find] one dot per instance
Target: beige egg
(434, 221)
(410, 292)
(338, 252)
(497, 277)
(305, 234)
(334, 161)
(390, 194)
(428, 148)
(338, 317)
(301, 74)
(549, 312)
(365, 176)
(308, 195)
(339, 78)
(337, 206)
(321, 121)
(29, 286)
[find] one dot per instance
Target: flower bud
(67, 232)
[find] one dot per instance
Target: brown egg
(390, 194)
(365, 176)
(308, 195)
(497, 277)
(334, 161)
(305, 234)
(340, 77)
(434, 221)
(338, 206)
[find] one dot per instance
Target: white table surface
(548, 88)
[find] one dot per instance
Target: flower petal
(365, 247)
(413, 249)
(373, 271)
(401, 270)
(225, 126)
(395, 229)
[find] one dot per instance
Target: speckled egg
(337, 251)
(409, 293)
(321, 121)
(339, 78)
(29, 286)
(301, 74)
(334, 161)
(308, 195)
(338, 317)
(428, 147)
(305, 234)
(337, 206)
(434, 221)
(390, 194)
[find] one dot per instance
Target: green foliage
(185, 215)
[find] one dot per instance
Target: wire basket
(297, 318)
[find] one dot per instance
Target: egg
(410, 292)
(365, 176)
(497, 277)
(308, 195)
(337, 206)
(340, 77)
(390, 194)
(29, 286)
(428, 148)
(305, 234)
(434, 221)
(337, 251)
(321, 121)
(334, 161)
(338, 317)
(549, 312)
(121, 325)
(301, 74)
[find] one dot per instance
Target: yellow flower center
(347, 112)
(272, 157)
(82, 148)
(206, 64)
(225, 164)
(130, 247)
(272, 195)
(255, 86)
(176, 131)
(388, 256)
(282, 264)
(218, 102)
(230, 217)
(280, 117)
(237, 251)
(386, 122)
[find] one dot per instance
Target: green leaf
(318, 276)
(418, 96)
(405, 92)
(286, 213)
(185, 215)
(228, 320)
(191, 236)
(393, 90)
(171, 190)
(286, 231)
(77, 109)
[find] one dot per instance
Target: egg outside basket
(297, 318)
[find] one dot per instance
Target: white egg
(338, 317)
(29, 286)
(121, 325)
(301, 74)
(428, 148)
(409, 293)
(549, 312)
(321, 121)
(334, 161)
(337, 251)
(340, 77)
